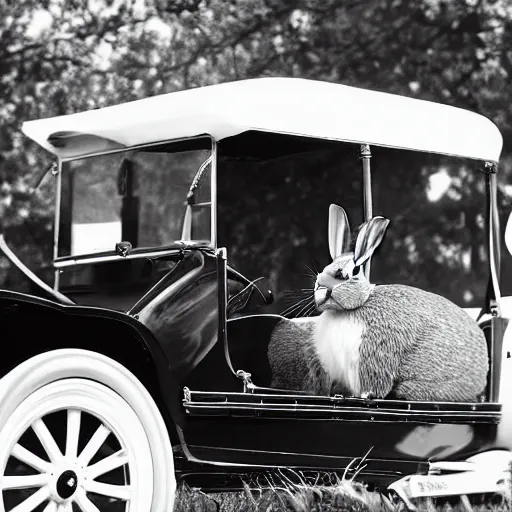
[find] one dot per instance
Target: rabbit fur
(385, 341)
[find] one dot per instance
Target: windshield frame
(173, 246)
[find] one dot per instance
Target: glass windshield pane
(273, 215)
(136, 196)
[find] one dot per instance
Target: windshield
(277, 226)
(136, 196)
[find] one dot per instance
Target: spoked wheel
(76, 444)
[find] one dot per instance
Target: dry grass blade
(289, 491)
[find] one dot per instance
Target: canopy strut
(365, 155)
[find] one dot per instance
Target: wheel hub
(67, 484)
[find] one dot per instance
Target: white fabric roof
(283, 105)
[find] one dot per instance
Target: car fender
(33, 325)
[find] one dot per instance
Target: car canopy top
(291, 106)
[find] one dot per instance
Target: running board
(206, 403)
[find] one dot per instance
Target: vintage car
(145, 362)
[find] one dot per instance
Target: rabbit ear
(339, 231)
(369, 238)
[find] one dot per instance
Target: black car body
(170, 307)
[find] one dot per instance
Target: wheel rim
(75, 445)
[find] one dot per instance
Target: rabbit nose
(327, 280)
(322, 294)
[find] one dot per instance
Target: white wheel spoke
(74, 463)
(74, 416)
(85, 504)
(111, 462)
(33, 501)
(30, 458)
(51, 507)
(23, 482)
(93, 445)
(47, 440)
(121, 492)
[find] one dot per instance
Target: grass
(283, 494)
(346, 497)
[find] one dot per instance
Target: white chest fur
(337, 340)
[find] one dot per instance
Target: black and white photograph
(255, 255)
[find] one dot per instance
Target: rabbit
(293, 361)
(385, 341)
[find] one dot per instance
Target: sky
(438, 185)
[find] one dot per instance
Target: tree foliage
(58, 57)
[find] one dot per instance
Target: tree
(54, 60)
(456, 52)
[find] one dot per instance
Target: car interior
(251, 317)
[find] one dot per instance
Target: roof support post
(493, 296)
(56, 170)
(213, 197)
(365, 155)
(493, 235)
(222, 257)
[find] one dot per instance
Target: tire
(78, 429)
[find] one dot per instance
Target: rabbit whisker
(298, 291)
(311, 310)
(294, 295)
(305, 312)
(304, 308)
(300, 311)
(291, 312)
(313, 269)
(290, 304)
(295, 306)
(302, 298)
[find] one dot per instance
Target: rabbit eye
(356, 270)
(339, 274)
